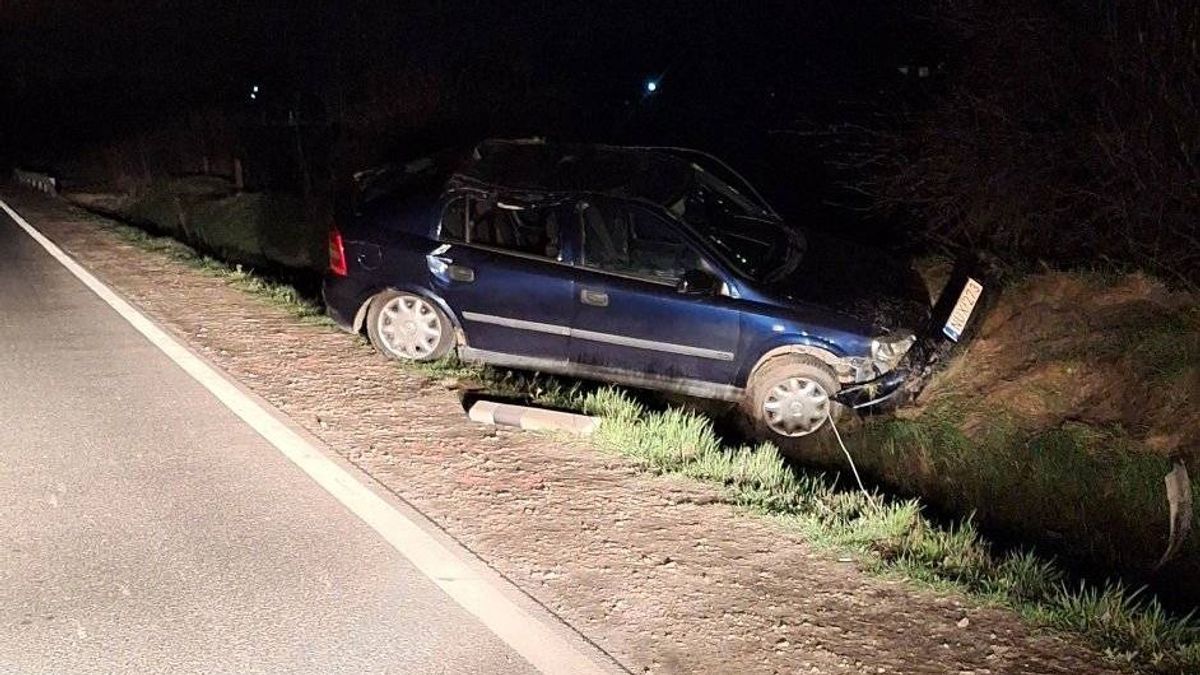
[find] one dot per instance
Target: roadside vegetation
(274, 292)
(1057, 131)
(1055, 469)
(1060, 422)
(260, 229)
(895, 535)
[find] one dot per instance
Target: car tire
(790, 397)
(408, 327)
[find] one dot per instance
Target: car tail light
(337, 253)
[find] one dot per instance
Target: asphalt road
(145, 528)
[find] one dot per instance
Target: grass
(1161, 344)
(252, 227)
(1167, 346)
(889, 536)
(894, 536)
(1079, 488)
(278, 294)
(542, 390)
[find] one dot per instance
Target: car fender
(795, 344)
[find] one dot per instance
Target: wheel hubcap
(796, 406)
(410, 327)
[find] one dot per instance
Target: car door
(628, 314)
(500, 272)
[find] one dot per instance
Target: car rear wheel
(791, 396)
(408, 327)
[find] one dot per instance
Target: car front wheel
(408, 327)
(791, 396)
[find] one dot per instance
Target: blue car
(657, 268)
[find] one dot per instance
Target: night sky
(93, 70)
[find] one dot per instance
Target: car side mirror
(698, 282)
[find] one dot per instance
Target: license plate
(962, 309)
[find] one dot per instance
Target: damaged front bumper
(887, 390)
(946, 329)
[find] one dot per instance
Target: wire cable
(850, 459)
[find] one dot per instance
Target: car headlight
(887, 350)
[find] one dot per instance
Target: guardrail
(38, 181)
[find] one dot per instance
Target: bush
(1066, 132)
(257, 229)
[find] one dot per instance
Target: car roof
(533, 166)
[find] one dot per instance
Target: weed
(1024, 575)
(1168, 348)
(1130, 627)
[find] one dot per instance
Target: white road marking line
(544, 648)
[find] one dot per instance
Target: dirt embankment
(1120, 354)
(1057, 423)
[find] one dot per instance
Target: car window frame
(465, 241)
(672, 225)
(441, 223)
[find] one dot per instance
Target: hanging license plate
(963, 309)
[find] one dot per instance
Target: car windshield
(749, 237)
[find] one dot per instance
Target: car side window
(633, 240)
(531, 230)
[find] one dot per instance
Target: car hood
(876, 290)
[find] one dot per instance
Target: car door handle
(594, 298)
(460, 273)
